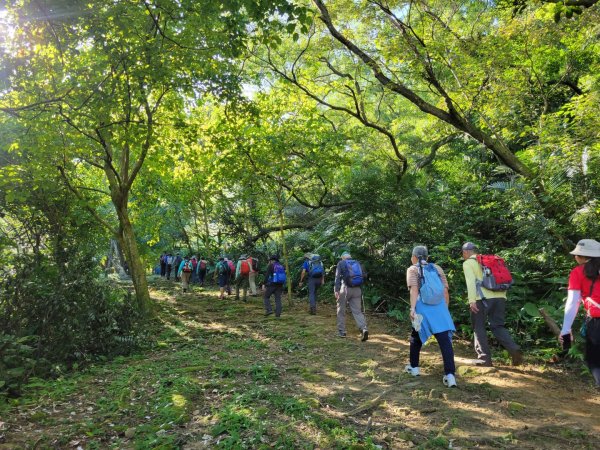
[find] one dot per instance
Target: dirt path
(224, 376)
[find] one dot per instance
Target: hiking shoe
(312, 311)
(364, 335)
(517, 358)
(449, 380)
(414, 371)
(268, 313)
(342, 334)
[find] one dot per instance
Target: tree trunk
(284, 250)
(136, 268)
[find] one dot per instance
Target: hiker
(584, 286)
(276, 278)
(184, 272)
(242, 274)
(194, 278)
(231, 277)
(313, 269)
(222, 276)
(163, 264)
(486, 306)
(252, 276)
(429, 313)
(201, 269)
(169, 265)
(349, 277)
(176, 263)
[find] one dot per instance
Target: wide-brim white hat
(587, 247)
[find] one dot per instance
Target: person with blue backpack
(429, 313)
(347, 288)
(314, 270)
(276, 278)
(222, 272)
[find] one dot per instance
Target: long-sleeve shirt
(473, 273)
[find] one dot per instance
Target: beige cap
(587, 247)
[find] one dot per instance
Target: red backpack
(245, 268)
(496, 276)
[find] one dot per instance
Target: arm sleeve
(571, 308)
(337, 285)
(470, 280)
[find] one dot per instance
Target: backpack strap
(478, 283)
(589, 297)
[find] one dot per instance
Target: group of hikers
(487, 280)
(188, 269)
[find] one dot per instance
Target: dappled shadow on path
(221, 375)
(353, 392)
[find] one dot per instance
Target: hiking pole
(362, 300)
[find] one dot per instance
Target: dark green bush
(71, 313)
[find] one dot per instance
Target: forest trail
(225, 376)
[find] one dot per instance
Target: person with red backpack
(242, 275)
(487, 280)
(584, 287)
(201, 268)
(184, 272)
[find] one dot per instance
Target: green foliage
(73, 316)
(17, 361)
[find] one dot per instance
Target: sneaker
(342, 334)
(268, 313)
(449, 380)
(364, 335)
(414, 371)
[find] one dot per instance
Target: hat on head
(587, 247)
(274, 258)
(243, 257)
(308, 255)
(469, 246)
(420, 251)
(345, 254)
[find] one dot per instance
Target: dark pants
(445, 343)
(276, 289)
(243, 283)
(492, 310)
(313, 286)
(163, 269)
(169, 268)
(592, 347)
(201, 276)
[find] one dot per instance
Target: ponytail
(591, 269)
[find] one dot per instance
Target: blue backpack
(352, 273)
(315, 267)
(279, 276)
(432, 289)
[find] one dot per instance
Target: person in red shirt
(584, 286)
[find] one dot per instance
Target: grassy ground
(221, 375)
